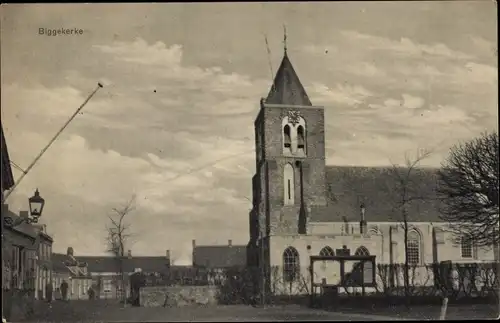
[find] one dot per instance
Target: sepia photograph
(257, 161)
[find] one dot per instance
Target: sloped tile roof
(378, 188)
(7, 178)
(219, 256)
(23, 227)
(102, 264)
(287, 88)
(60, 263)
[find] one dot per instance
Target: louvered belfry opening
(300, 137)
(288, 140)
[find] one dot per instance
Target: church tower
(289, 182)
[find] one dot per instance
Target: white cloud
(342, 93)
(412, 102)
(404, 46)
(366, 69)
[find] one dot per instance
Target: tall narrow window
(300, 138)
(413, 247)
(291, 264)
(466, 247)
(289, 185)
(364, 268)
(287, 140)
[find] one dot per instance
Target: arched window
(327, 251)
(362, 251)
(413, 247)
(289, 184)
(301, 142)
(466, 246)
(291, 264)
(287, 138)
(367, 272)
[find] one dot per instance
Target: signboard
(368, 273)
(361, 274)
(343, 252)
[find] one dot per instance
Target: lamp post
(36, 203)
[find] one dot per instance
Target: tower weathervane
(284, 38)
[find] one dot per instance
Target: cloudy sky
(174, 123)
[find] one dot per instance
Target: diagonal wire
(37, 158)
(17, 167)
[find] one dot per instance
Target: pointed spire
(287, 88)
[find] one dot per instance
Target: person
(64, 290)
(48, 292)
(91, 293)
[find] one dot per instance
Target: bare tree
(405, 190)
(118, 237)
(469, 190)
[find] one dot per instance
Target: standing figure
(48, 292)
(91, 293)
(64, 290)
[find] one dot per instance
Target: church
(303, 207)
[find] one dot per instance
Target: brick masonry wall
(285, 219)
(178, 296)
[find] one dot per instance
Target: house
(44, 259)
(219, 256)
(102, 272)
(18, 243)
(74, 272)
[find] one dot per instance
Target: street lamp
(36, 207)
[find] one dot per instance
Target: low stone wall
(177, 296)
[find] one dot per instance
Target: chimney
(194, 243)
(24, 214)
(168, 257)
(230, 243)
(362, 223)
(129, 254)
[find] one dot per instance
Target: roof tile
(379, 189)
(219, 256)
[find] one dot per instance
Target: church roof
(286, 88)
(379, 189)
